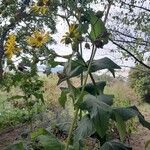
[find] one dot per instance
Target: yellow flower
(40, 7)
(38, 38)
(71, 36)
(11, 46)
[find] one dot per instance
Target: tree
(139, 78)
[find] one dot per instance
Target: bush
(139, 79)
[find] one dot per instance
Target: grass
(124, 96)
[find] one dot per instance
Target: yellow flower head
(11, 46)
(38, 38)
(71, 36)
(40, 7)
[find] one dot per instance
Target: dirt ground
(137, 140)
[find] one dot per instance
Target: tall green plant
(92, 107)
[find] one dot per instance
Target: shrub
(139, 80)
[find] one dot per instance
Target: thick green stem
(81, 94)
(81, 52)
(71, 128)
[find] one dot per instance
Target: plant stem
(71, 128)
(81, 52)
(81, 94)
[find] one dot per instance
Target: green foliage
(121, 126)
(115, 145)
(97, 27)
(96, 108)
(99, 113)
(85, 128)
(139, 79)
(17, 146)
(76, 67)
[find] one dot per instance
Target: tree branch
(126, 35)
(131, 5)
(108, 9)
(132, 42)
(121, 47)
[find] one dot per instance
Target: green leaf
(112, 145)
(104, 63)
(108, 99)
(90, 88)
(40, 131)
(43, 139)
(77, 67)
(97, 27)
(17, 146)
(63, 98)
(47, 142)
(83, 28)
(99, 113)
(71, 70)
(85, 129)
(129, 112)
(121, 126)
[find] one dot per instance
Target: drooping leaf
(77, 67)
(112, 145)
(17, 146)
(121, 126)
(46, 142)
(104, 63)
(85, 129)
(129, 112)
(71, 70)
(97, 27)
(99, 113)
(108, 99)
(90, 88)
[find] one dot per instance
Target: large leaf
(46, 142)
(90, 88)
(17, 146)
(85, 129)
(129, 112)
(104, 63)
(43, 139)
(112, 145)
(108, 99)
(77, 67)
(97, 27)
(99, 113)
